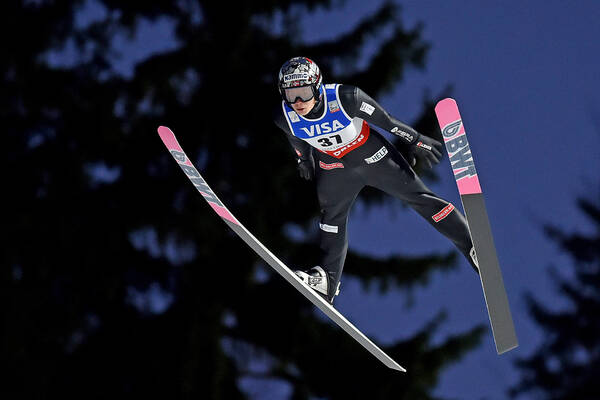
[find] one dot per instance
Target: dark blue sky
(524, 76)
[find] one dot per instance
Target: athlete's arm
(303, 151)
(301, 148)
(359, 104)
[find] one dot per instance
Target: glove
(425, 150)
(306, 168)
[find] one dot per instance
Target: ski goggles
(304, 93)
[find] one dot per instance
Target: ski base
(492, 283)
(467, 181)
(192, 173)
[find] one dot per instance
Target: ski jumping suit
(352, 155)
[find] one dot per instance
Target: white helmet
(300, 77)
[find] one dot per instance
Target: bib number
(326, 141)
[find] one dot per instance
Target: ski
(192, 173)
(463, 166)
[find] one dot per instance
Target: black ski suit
(374, 162)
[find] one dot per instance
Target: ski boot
(318, 280)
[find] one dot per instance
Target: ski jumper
(350, 155)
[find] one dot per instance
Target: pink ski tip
(164, 130)
(446, 102)
(168, 138)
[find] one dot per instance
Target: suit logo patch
(293, 116)
(367, 108)
(330, 166)
(333, 106)
(377, 156)
(443, 213)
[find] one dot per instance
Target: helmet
(300, 77)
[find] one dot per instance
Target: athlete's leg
(393, 175)
(337, 189)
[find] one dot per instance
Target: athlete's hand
(427, 151)
(306, 168)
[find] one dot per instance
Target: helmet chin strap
(318, 103)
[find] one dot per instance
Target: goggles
(305, 93)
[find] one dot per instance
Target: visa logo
(324, 127)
